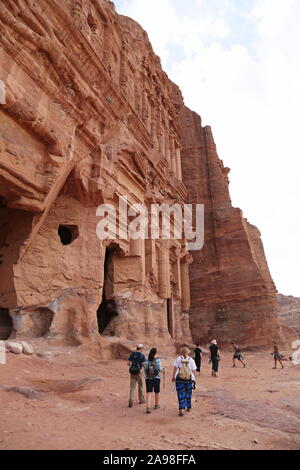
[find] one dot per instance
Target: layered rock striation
(289, 311)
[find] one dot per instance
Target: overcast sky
(237, 63)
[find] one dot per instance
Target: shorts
(153, 384)
(238, 356)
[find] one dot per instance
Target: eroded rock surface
(289, 311)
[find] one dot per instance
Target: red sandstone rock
(89, 117)
(233, 295)
(289, 311)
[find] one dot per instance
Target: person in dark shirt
(198, 358)
(237, 355)
(215, 357)
(135, 363)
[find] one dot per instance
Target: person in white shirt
(183, 376)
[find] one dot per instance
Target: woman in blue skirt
(183, 376)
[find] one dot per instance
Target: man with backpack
(153, 368)
(135, 363)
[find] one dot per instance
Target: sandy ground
(252, 408)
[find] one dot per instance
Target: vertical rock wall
(233, 295)
(289, 311)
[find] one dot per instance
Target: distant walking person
(183, 376)
(152, 368)
(215, 357)
(237, 355)
(198, 358)
(277, 355)
(135, 362)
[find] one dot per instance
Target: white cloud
(165, 26)
(249, 92)
(272, 15)
(160, 30)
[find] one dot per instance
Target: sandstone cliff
(233, 295)
(289, 311)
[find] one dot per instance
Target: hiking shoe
(142, 402)
(189, 410)
(148, 411)
(130, 405)
(181, 413)
(157, 407)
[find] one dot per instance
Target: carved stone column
(185, 283)
(167, 146)
(175, 253)
(154, 133)
(164, 270)
(178, 272)
(178, 161)
(173, 156)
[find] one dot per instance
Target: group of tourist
(185, 369)
(183, 377)
(152, 369)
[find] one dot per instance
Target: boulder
(27, 348)
(15, 348)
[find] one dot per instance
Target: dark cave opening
(170, 316)
(6, 324)
(107, 309)
(68, 233)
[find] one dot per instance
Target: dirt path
(252, 408)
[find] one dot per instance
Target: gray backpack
(152, 370)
